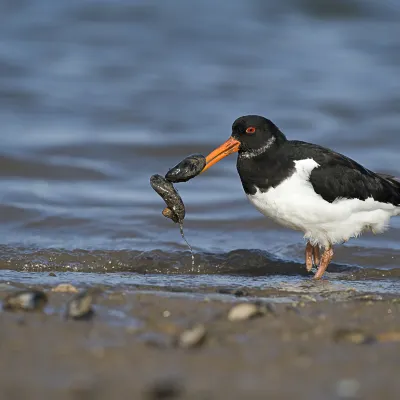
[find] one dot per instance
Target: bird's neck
(264, 170)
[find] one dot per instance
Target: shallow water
(97, 96)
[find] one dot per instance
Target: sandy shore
(129, 350)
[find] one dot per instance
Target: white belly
(294, 204)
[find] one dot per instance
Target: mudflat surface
(130, 349)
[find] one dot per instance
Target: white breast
(294, 204)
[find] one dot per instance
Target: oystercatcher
(306, 187)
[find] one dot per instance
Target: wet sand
(297, 349)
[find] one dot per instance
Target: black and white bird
(309, 188)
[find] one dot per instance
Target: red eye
(250, 129)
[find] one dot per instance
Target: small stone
(309, 298)
(25, 300)
(241, 293)
(368, 297)
(166, 314)
(80, 306)
(192, 337)
(165, 389)
(347, 388)
(65, 288)
(356, 336)
(52, 274)
(387, 337)
(244, 311)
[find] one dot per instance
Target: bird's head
(252, 135)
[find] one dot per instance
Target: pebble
(166, 389)
(244, 311)
(241, 293)
(347, 388)
(367, 297)
(80, 306)
(236, 293)
(387, 337)
(192, 337)
(309, 298)
(25, 300)
(356, 336)
(52, 274)
(65, 288)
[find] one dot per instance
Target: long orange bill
(229, 147)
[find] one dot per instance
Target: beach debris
(241, 293)
(307, 297)
(192, 337)
(387, 337)
(367, 297)
(164, 389)
(168, 193)
(187, 169)
(25, 300)
(80, 307)
(233, 292)
(244, 311)
(356, 336)
(348, 388)
(65, 288)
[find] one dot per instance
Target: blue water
(97, 95)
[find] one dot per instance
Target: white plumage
(295, 204)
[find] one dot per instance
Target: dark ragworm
(187, 169)
(175, 209)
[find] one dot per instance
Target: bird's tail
(395, 183)
(393, 180)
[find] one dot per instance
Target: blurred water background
(97, 95)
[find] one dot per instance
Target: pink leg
(326, 258)
(316, 255)
(309, 256)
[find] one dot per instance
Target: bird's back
(339, 176)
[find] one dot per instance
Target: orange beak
(229, 147)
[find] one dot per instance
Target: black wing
(340, 177)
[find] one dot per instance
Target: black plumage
(336, 177)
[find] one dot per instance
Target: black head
(252, 135)
(256, 134)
